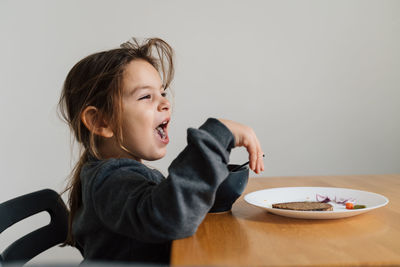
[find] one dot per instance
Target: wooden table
(250, 236)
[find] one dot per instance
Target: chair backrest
(32, 244)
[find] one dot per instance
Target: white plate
(265, 198)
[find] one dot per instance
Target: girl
(115, 104)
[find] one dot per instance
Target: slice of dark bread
(305, 206)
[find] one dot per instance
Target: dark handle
(244, 164)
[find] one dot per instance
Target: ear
(94, 121)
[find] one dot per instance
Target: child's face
(146, 112)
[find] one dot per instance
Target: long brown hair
(96, 80)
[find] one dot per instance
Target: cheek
(137, 125)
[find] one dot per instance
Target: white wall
(319, 81)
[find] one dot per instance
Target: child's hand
(245, 136)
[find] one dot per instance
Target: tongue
(161, 132)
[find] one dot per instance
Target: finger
(263, 165)
(261, 162)
(256, 162)
(258, 157)
(252, 150)
(259, 152)
(258, 168)
(257, 165)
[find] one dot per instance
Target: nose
(164, 104)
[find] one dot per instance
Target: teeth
(160, 129)
(161, 132)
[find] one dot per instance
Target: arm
(174, 208)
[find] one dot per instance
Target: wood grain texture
(250, 236)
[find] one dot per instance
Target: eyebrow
(141, 87)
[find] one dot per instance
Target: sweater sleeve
(129, 204)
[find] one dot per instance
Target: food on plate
(304, 206)
(348, 202)
(326, 199)
(355, 207)
(359, 207)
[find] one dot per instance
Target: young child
(115, 104)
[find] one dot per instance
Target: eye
(145, 97)
(164, 94)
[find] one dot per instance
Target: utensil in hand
(240, 166)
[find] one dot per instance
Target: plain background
(318, 81)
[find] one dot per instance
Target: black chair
(32, 244)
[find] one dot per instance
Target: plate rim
(296, 212)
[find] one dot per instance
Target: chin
(156, 156)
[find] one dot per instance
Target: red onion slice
(342, 201)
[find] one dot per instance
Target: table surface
(248, 235)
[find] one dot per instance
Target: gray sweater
(132, 213)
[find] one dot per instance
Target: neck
(110, 148)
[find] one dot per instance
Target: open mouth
(162, 130)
